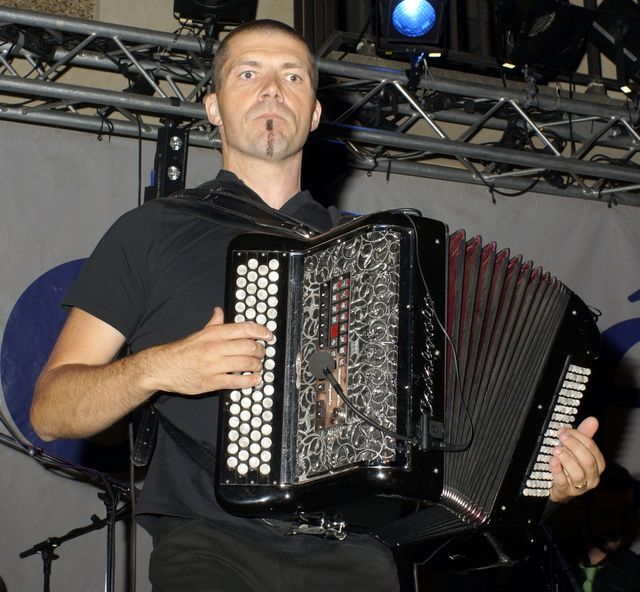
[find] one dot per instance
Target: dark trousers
(199, 556)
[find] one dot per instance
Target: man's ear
(212, 109)
(315, 118)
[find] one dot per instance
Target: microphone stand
(111, 495)
(47, 547)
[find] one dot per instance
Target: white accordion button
(242, 469)
(274, 264)
(265, 469)
(241, 269)
(265, 456)
(252, 263)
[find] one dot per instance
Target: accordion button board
(353, 296)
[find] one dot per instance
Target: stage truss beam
(442, 124)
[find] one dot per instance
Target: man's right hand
(83, 390)
(219, 356)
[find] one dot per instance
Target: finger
(244, 347)
(561, 489)
(237, 381)
(588, 427)
(246, 329)
(572, 469)
(238, 364)
(217, 318)
(582, 446)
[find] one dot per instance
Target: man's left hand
(577, 462)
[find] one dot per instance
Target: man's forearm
(78, 400)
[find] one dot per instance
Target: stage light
(413, 18)
(406, 26)
(548, 36)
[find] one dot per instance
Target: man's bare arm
(83, 390)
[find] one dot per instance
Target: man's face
(266, 105)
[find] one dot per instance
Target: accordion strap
(195, 451)
(234, 204)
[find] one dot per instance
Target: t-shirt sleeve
(112, 285)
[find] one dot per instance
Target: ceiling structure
(444, 124)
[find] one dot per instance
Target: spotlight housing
(546, 35)
(404, 26)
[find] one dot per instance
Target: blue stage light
(414, 18)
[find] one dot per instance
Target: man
(151, 284)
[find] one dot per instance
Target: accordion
(405, 363)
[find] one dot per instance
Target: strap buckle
(319, 525)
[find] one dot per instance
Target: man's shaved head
(262, 25)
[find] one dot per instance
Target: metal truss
(432, 123)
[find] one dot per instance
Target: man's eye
(294, 78)
(246, 75)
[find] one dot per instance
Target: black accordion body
(462, 362)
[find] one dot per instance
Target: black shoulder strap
(195, 451)
(234, 204)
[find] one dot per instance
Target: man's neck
(275, 182)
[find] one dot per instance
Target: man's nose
(271, 87)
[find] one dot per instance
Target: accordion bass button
(274, 264)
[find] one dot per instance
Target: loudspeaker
(224, 12)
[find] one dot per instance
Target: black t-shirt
(156, 276)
